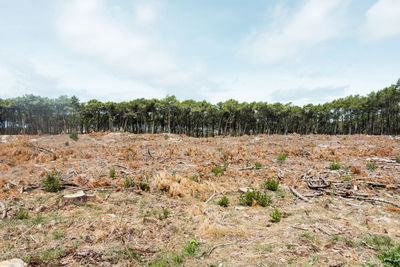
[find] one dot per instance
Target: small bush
(144, 186)
(220, 169)
(191, 247)
(51, 183)
(261, 198)
(390, 257)
(194, 178)
(38, 219)
(282, 157)
(398, 159)
(166, 137)
(129, 182)
(271, 184)
(112, 172)
(334, 165)
(275, 215)
(66, 143)
(223, 202)
(22, 214)
(258, 165)
(74, 135)
(371, 166)
(346, 178)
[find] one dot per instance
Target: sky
(305, 51)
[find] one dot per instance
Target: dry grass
(128, 226)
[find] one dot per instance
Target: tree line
(376, 113)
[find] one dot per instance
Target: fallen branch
(4, 208)
(297, 194)
(206, 254)
(215, 194)
(148, 151)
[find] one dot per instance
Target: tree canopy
(376, 113)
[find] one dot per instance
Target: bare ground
(122, 225)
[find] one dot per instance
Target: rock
(78, 196)
(13, 263)
(245, 190)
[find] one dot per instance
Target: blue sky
(307, 51)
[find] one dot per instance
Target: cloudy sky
(307, 51)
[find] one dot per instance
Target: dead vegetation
(145, 200)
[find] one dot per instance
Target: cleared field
(152, 200)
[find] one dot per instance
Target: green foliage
(66, 143)
(164, 215)
(378, 241)
(282, 157)
(51, 183)
(371, 166)
(308, 235)
(390, 257)
(271, 184)
(194, 178)
(258, 165)
(334, 165)
(398, 159)
(112, 172)
(22, 214)
(220, 169)
(166, 137)
(50, 255)
(223, 202)
(262, 199)
(191, 247)
(129, 182)
(38, 219)
(74, 135)
(346, 178)
(58, 234)
(144, 186)
(275, 215)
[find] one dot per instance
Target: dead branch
(208, 253)
(297, 194)
(148, 151)
(215, 194)
(4, 208)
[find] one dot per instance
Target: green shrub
(220, 169)
(112, 172)
(257, 165)
(22, 214)
(282, 157)
(334, 165)
(191, 247)
(144, 186)
(194, 178)
(346, 178)
(129, 182)
(390, 257)
(371, 166)
(51, 183)
(223, 202)
(74, 135)
(275, 215)
(261, 198)
(271, 184)
(66, 143)
(398, 159)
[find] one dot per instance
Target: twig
(297, 194)
(148, 151)
(215, 194)
(4, 208)
(206, 254)
(375, 200)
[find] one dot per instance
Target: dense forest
(377, 113)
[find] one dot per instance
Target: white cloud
(146, 14)
(382, 20)
(316, 21)
(86, 28)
